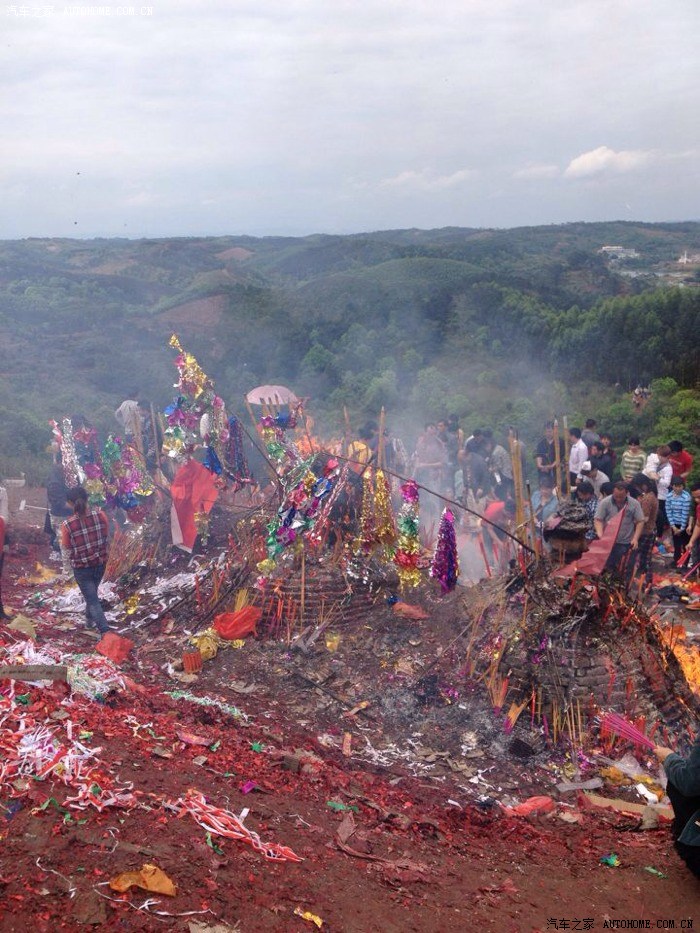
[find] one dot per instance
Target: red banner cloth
(594, 559)
(193, 490)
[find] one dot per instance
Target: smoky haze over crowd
(264, 118)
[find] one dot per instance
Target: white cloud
(427, 181)
(604, 159)
(537, 170)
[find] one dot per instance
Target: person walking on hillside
(85, 538)
(632, 460)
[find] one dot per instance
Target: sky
(291, 117)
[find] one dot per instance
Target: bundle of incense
(614, 724)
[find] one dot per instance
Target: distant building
(618, 252)
(693, 259)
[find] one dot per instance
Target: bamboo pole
(533, 530)
(557, 457)
(567, 451)
(580, 721)
(137, 431)
(312, 448)
(250, 412)
(157, 446)
(517, 483)
(346, 433)
(381, 463)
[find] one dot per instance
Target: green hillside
(499, 326)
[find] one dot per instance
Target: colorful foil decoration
(445, 566)
(196, 416)
(303, 492)
(193, 379)
(86, 446)
(408, 546)
(322, 523)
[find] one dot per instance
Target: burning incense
(616, 725)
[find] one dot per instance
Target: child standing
(678, 512)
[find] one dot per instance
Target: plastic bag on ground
(150, 878)
(530, 806)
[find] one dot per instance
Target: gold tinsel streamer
(384, 514)
(201, 523)
(367, 540)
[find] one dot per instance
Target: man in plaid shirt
(84, 537)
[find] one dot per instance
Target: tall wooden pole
(535, 542)
(517, 483)
(380, 441)
(346, 432)
(557, 457)
(567, 450)
(250, 412)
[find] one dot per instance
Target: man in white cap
(594, 476)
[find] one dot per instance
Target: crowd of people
(650, 488)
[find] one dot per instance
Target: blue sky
(339, 116)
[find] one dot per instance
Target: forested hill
(496, 325)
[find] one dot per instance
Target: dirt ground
(395, 830)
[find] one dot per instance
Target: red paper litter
(114, 647)
(232, 625)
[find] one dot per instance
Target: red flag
(193, 490)
(594, 559)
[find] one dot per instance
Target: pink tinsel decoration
(445, 566)
(409, 491)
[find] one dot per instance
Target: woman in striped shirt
(633, 459)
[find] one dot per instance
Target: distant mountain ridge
(417, 319)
